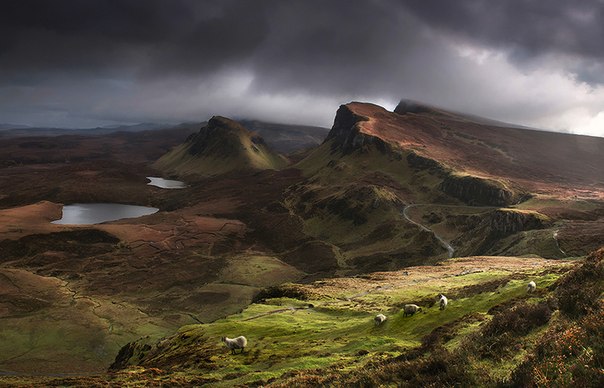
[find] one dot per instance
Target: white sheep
(531, 287)
(410, 309)
(235, 343)
(379, 319)
(443, 302)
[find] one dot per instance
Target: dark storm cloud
(70, 61)
(530, 27)
(97, 35)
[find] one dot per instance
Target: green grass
(336, 333)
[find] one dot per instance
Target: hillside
(221, 146)
(360, 203)
(492, 332)
(447, 175)
(538, 160)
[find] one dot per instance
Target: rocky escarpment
(419, 162)
(480, 191)
(346, 134)
(496, 225)
(505, 222)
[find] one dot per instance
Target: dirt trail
(445, 244)
(442, 241)
(558, 243)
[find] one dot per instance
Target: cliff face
(495, 226)
(506, 222)
(347, 136)
(479, 191)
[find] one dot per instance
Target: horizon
(96, 64)
(163, 125)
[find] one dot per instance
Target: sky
(73, 63)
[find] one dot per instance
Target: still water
(166, 183)
(95, 213)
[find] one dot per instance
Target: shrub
(579, 290)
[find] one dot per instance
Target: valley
(391, 208)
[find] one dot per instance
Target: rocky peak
(221, 135)
(347, 134)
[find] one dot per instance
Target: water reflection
(95, 213)
(166, 183)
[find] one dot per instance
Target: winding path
(558, 243)
(445, 244)
(442, 241)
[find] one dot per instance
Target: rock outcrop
(347, 135)
(496, 225)
(479, 191)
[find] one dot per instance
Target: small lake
(166, 183)
(95, 213)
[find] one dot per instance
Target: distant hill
(287, 138)
(283, 138)
(13, 130)
(223, 145)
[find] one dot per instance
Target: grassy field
(332, 327)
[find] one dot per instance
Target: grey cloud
(528, 27)
(136, 60)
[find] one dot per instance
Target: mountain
(481, 188)
(465, 145)
(221, 146)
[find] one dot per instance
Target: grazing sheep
(410, 309)
(379, 319)
(443, 302)
(531, 287)
(235, 343)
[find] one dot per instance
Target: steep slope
(375, 164)
(221, 146)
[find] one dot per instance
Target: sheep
(443, 302)
(410, 309)
(379, 319)
(531, 287)
(235, 343)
